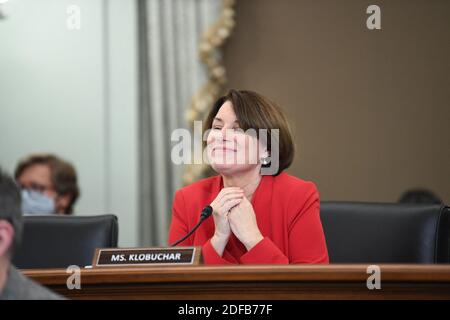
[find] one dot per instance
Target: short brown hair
(255, 111)
(63, 175)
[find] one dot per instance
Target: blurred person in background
(49, 184)
(420, 195)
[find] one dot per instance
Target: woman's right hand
(222, 204)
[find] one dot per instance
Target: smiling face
(231, 150)
(267, 137)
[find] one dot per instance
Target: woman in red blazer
(261, 215)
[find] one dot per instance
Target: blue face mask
(34, 202)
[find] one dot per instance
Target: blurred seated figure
(14, 285)
(49, 184)
(420, 195)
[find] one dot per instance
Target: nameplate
(144, 257)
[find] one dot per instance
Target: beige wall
(370, 109)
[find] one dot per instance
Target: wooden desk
(253, 282)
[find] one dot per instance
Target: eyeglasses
(36, 187)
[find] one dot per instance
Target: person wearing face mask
(261, 215)
(48, 184)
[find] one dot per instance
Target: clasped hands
(233, 213)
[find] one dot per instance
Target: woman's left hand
(243, 224)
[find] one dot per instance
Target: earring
(265, 161)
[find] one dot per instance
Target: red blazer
(287, 213)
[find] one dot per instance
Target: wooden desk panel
(252, 282)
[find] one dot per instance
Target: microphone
(206, 212)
